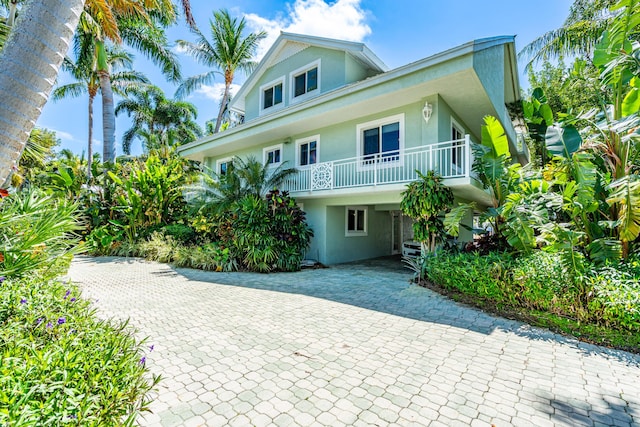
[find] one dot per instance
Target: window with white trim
(307, 150)
(381, 140)
(223, 165)
(457, 133)
(355, 221)
(305, 80)
(272, 94)
(273, 155)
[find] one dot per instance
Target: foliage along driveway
(350, 345)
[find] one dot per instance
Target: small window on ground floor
(356, 221)
(223, 166)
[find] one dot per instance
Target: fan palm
(84, 70)
(243, 178)
(228, 52)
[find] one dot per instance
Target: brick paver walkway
(350, 345)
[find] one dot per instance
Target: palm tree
(12, 10)
(84, 70)
(157, 120)
(28, 70)
(586, 22)
(23, 93)
(217, 192)
(130, 21)
(228, 52)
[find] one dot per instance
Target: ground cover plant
(59, 364)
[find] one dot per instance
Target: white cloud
(65, 136)
(342, 19)
(216, 91)
(178, 49)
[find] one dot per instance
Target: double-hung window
(305, 80)
(273, 155)
(381, 140)
(356, 221)
(271, 95)
(308, 150)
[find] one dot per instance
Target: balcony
(450, 159)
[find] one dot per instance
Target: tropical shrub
(543, 291)
(268, 235)
(37, 234)
(426, 200)
(60, 365)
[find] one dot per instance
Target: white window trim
(292, 98)
(266, 150)
(379, 123)
(353, 233)
(266, 86)
(220, 161)
(306, 140)
(455, 124)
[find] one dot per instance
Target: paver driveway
(350, 345)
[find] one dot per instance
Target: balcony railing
(451, 159)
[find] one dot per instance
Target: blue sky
(398, 31)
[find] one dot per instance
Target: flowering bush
(60, 365)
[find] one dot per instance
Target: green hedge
(60, 365)
(604, 306)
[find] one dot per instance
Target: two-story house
(356, 131)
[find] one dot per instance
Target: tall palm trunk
(29, 65)
(228, 78)
(13, 9)
(108, 109)
(90, 143)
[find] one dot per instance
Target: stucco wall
(340, 248)
(333, 74)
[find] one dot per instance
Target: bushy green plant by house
(426, 200)
(38, 234)
(60, 365)
(267, 234)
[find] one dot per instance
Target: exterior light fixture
(427, 111)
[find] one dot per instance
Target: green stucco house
(357, 131)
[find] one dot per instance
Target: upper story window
(305, 80)
(457, 134)
(271, 94)
(381, 140)
(308, 150)
(273, 155)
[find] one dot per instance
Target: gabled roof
(288, 44)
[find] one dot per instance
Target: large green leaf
(547, 114)
(625, 193)
(603, 250)
(519, 218)
(493, 136)
(563, 140)
(631, 102)
(453, 218)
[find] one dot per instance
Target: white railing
(450, 159)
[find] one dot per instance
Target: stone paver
(349, 345)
